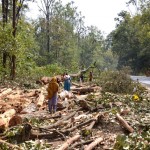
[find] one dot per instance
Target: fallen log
(6, 117)
(15, 120)
(93, 144)
(83, 90)
(69, 142)
(46, 80)
(5, 92)
(40, 100)
(29, 109)
(78, 85)
(124, 123)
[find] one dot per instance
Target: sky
(99, 13)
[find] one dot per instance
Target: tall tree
(5, 18)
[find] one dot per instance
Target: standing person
(67, 82)
(81, 78)
(90, 76)
(52, 90)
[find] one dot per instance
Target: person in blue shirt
(67, 82)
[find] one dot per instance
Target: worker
(52, 90)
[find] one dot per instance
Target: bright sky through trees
(100, 13)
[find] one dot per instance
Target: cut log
(93, 144)
(29, 109)
(13, 97)
(46, 80)
(124, 123)
(83, 90)
(15, 120)
(5, 92)
(40, 100)
(78, 85)
(6, 117)
(69, 142)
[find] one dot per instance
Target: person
(67, 82)
(52, 90)
(81, 78)
(90, 76)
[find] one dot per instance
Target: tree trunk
(13, 57)
(5, 16)
(47, 27)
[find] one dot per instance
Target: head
(54, 79)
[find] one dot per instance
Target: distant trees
(57, 38)
(9, 38)
(130, 39)
(71, 43)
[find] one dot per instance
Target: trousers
(52, 104)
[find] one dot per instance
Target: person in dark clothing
(81, 78)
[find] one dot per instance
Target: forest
(34, 50)
(60, 39)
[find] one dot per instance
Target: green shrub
(116, 82)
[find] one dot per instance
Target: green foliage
(35, 145)
(134, 141)
(116, 82)
(130, 39)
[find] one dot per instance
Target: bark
(78, 85)
(15, 120)
(93, 144)
(5, 92)
(83, 90)
(46, 80)
(40, 100)
(69, 142)
(6, 117)
(13, 57)
(124, 123)
(29, 109)
(5, 18)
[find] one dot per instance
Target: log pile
(78, 123)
